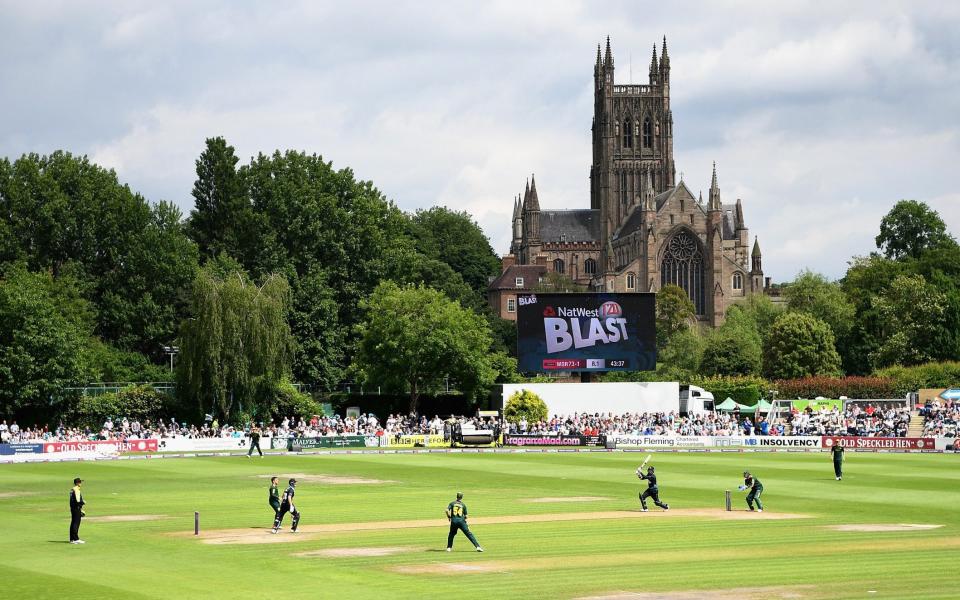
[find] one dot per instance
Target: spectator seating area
(855, 420)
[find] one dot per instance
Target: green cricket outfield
(553, 525)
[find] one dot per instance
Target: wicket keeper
(756, 488)
(457, 515)
(837, 451)
(652, 490)
(287, 506)
(76, 511)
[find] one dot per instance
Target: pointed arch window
(737, 281)
(682, 265)
(558, 265)
(647, 133)
(627, 134)
(631, 281)
(590, 266)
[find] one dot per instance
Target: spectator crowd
(868, 420)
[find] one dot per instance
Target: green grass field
(590, 555)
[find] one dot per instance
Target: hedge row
(835, 387)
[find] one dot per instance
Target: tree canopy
(236, 345)
(412, 338)
(909, 229)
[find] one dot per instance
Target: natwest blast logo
(610, 309)
(578, 327)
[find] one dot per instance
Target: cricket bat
(644, 463)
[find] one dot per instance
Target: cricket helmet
(293, 482)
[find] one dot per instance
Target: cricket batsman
(837, 451)
(652, 490)
(287, 506)
(457, 515)
(756, 488)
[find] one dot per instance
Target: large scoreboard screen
(586, 332)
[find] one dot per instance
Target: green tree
(817, 296)
(221, 221)
(66, 215)
(41, 345)
(454, 238)
(680, 359)
(236, 346)
(525, 404)
(867, 277)
(913, 314)
(675, 312)
(325, 229)
(733, 348)
(800, 345)
(413, 337)
(760, 310)
(909, 229)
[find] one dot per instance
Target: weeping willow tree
(237, 345)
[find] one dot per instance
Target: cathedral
(643, 230)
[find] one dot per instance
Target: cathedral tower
(632, 139)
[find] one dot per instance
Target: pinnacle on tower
(608, 58)
(534, 201)
(714, 191)
(756, 247)
(664, 57)
(653, 62)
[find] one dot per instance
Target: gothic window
(682, 265)
(623, 187)
(631, 281)
(590, 266)
(558, 265)
(647, 133)
(737, 281)
(627, 135)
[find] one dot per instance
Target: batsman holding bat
(756, 488)
(652, 490)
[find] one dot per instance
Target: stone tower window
(737, 281)
(631, 281)
(558, 265)
(647, 133)
(682, 265)
(590, 266)
(627, 135)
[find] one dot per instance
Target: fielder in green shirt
(457, 515)
(837, 451)
(274, 498)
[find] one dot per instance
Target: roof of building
(508, 279)
(570, 225)
(729, 221)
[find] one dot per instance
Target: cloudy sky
(820, 115)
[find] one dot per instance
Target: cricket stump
(726, 494)
(196, 521)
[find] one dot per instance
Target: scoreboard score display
(586, 332)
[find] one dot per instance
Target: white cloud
(820, 116)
